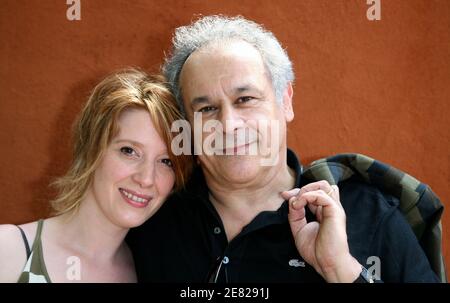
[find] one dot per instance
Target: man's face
(229, 84)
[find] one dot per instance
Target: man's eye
(167, 162)
(207, 109)
(128, 151)
(244, 99)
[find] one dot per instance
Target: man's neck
(239, 205)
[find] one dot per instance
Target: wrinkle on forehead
(217, 54)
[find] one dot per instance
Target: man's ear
(287, 102)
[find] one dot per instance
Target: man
(241, 219)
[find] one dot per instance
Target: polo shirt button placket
(217, 230)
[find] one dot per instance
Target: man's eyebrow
(237, 90)
(199, 100)
(246, 88)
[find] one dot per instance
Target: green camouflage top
(35, 270)
(418, 203)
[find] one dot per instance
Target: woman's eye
(128, 151)
(167, 162)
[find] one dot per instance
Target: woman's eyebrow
(133, 142)
(136, 143)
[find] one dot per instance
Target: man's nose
(231, 119)
(145, 175)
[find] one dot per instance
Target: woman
(122, 172)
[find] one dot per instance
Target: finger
(319, 215)
(323, 185)
(316, 211)
(290, 193)
(312, 208)
(296, 215)
(296, 203)
(336, 195)
(320, 198)
(333, 193)
(317, 198)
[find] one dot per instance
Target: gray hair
(188, 39)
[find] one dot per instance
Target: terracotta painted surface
(381, 88)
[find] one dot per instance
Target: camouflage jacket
(420, 206)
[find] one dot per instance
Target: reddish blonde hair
(97, 125)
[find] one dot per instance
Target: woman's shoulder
(13, 252)
(11, 236)
(30, 231)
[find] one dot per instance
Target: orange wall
(380, 88)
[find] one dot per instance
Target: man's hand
(323, 244)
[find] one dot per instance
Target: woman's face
(135, 175)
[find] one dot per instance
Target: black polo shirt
(185, 240)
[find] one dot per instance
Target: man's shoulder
(357, 194)
(366, 206)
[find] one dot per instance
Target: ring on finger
(330, 192)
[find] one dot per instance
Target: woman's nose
(145, 176)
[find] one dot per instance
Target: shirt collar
(198, 188)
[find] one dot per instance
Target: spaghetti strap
(35, 270)
(25, 241)
(37, 238)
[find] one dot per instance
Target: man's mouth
(242, 148)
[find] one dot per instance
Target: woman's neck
(87, 232)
